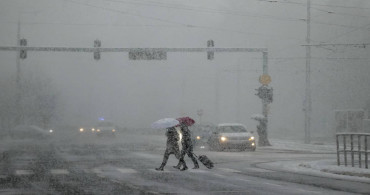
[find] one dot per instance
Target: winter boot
(184, 168)
(159, 168)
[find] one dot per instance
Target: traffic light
(265, 93)
(210, 54)
(22, 52)
(97, 44)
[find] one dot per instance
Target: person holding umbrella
(187, 145)
(172, 147)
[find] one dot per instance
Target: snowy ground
(84, 163)
(323, 168)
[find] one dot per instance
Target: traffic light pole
(18, 76)
(137, 54)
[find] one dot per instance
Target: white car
(231, 136)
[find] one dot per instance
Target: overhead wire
(180, 24)
(319, 5)
(207, 10)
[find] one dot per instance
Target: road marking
(59, 171)
(316, 192)
(147, 155)
(243, 179)
(197, 171)
(23, 172)
(219, 175)
(252, 169)
(164, 171)
(126, 170)
(272, 184)
(97, 171)
(229, 170)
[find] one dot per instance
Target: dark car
(106, 128)
(201, 133)
(231, 136)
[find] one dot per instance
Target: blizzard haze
(136, 93)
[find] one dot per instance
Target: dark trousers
(167, 154)
(187, 149)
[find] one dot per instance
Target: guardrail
(361, 141)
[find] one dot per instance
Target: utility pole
(238, 75)
(307, 102)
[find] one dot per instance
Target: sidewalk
(321, 168)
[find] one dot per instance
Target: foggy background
(136, 93)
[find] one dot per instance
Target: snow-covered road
(125, 165)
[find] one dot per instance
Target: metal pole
(217, 94)
(308, 77)
(338, 157)
(359, 150)
(345, 150)
(265, 72)
(238, 93)
(18, 76)
(352, 154)
(366, 160)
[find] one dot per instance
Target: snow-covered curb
(329, 167)
(295, 145)
(322, 168)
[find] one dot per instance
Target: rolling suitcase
(205, 161)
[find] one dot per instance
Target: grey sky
(136, 93)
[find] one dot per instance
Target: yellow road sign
(265, 79)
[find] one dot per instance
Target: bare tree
(36, 104)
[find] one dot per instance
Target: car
(105, 128)
(231, 136)
(200, 133)
(86, 130)
(32, 132)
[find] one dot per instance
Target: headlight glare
(223, 138)
(251, 138)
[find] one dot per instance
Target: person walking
(187, 148)
(172, 147)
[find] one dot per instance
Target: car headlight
(253, 144)
(113, 130)
(223, 138)
(81, 129)
(98, 130)
(198, 137)
(51, 131)
(251, 138)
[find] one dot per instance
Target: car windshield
(232, 129)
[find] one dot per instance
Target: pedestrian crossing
(125, 170)
(59, 171)
(25, 172)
